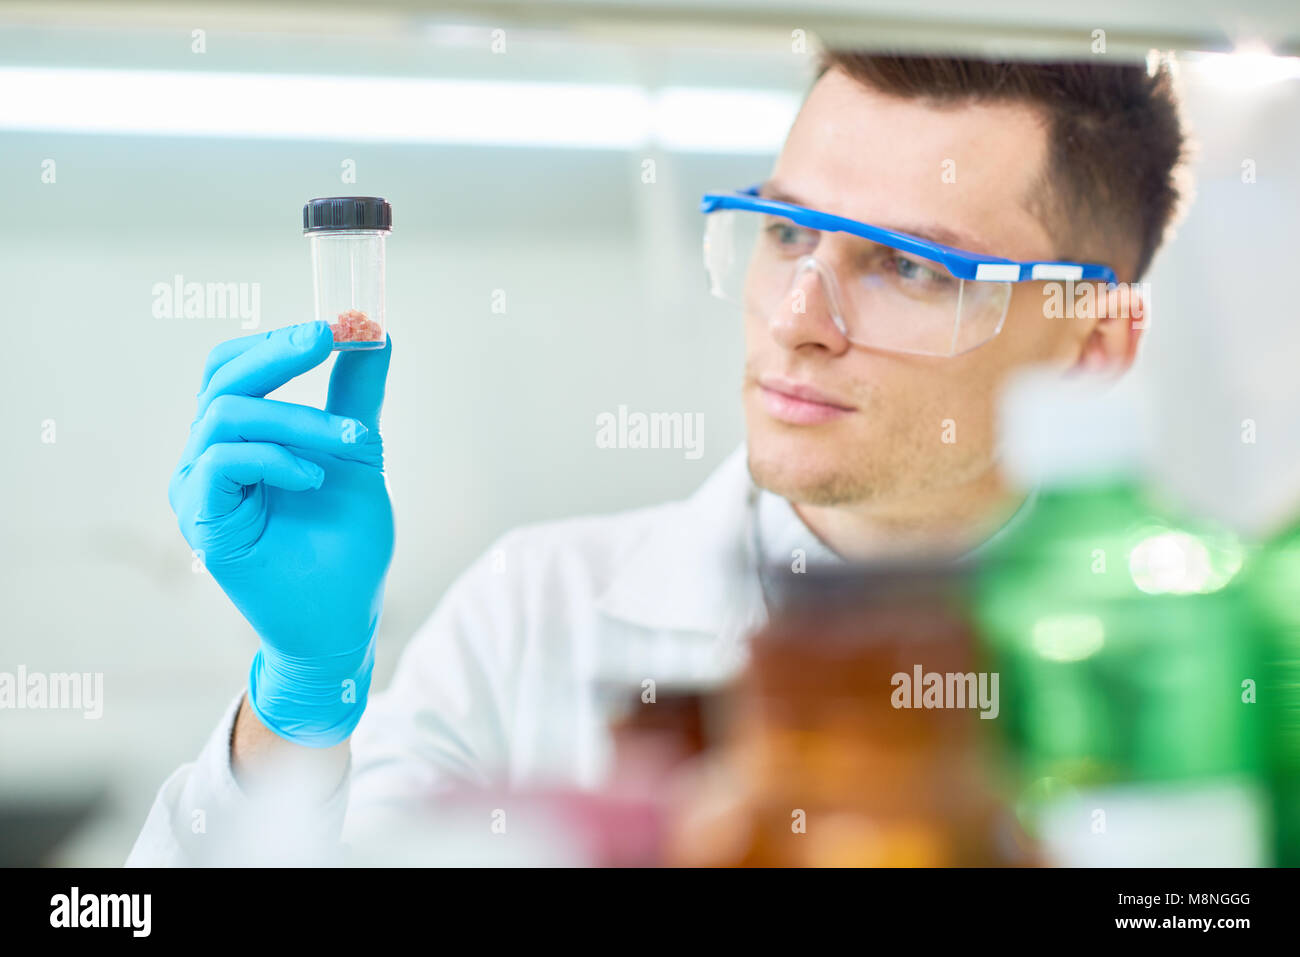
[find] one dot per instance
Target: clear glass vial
(346, 235)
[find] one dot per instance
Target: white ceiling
(1001, 27)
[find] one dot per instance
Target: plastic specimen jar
(346, 235)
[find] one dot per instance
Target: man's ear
(1117, 324)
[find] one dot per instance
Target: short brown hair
(1115, 177)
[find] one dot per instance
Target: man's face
(893, 425)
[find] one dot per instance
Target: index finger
(259, 364)
(357, 384)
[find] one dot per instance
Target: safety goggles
(883, 289)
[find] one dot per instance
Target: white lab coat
(500, 687)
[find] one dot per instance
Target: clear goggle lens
(878, 297)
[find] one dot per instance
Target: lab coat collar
(694, 571)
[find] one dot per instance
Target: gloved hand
(288, 508)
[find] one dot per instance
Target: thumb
(357, 384)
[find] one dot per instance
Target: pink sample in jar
(355, 326)
(347, 235)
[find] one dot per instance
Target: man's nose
(810, 312)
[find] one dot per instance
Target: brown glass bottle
(833, 756)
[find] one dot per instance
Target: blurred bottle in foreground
(1274, 583)
(860, 735)
(1128, 650)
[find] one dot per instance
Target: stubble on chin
(805, 483)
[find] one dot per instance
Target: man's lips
(799, 404)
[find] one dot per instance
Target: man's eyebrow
(935, 233)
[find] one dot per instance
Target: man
(871, 374)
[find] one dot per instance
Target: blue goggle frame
(962, 264)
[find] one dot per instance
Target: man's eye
(789, 236)
(916, 272)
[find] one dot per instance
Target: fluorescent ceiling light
(1247, 67)
(390, 109)
(721, 121)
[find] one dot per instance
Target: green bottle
(1126, 647)
(1275, 590)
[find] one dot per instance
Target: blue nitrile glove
(288, 509)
